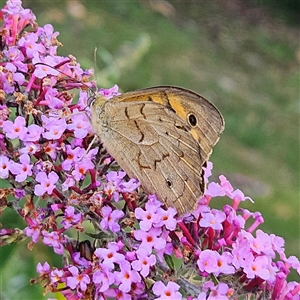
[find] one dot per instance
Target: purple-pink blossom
(46, 183)
(54, 240)
(148, 217)
(81, 168)
(167, 218)
(217, 292)
(110, 218)
(80, 125)
(43, 269)
(4, 166)
(55, 127)
(56, 275)
(110, 255)
(44, 66)
(213, 219)
(126, 276)
(73, 156)
(129, 186)
(33, 230)
(103, 278)
(22, 169)
(71, 217)
(144, 262)
(208, 261)
(169, 291)
(77, 279)
(16, 129)
(257, 266)
(33, 133)
(150, 239)
(30, 44)
(109, 93)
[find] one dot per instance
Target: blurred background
(241, 55)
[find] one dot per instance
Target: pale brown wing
(162, 136)
(189, 106)
(150, 142)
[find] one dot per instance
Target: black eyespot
(192, 120)
(169, 183)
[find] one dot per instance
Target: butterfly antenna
(95, 61)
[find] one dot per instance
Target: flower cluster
(141, 249)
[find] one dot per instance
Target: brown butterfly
(162, 136)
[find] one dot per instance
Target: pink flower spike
(83, 101)
(117, 294)
(73, 156)
(81, 168)
(224, 263)
(50, 149)
(44, 67)
(55, 240)
(70, 181)
(201, 296)
(115, 177)
(130, 186)
(262, 244)
(258, 267)
(152, 201)
(214, 190)
(30, 148)
(166, 292)
(14, 55)
(216, 292)
(30, 43)
(258, 220)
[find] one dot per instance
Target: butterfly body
(162, 136)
